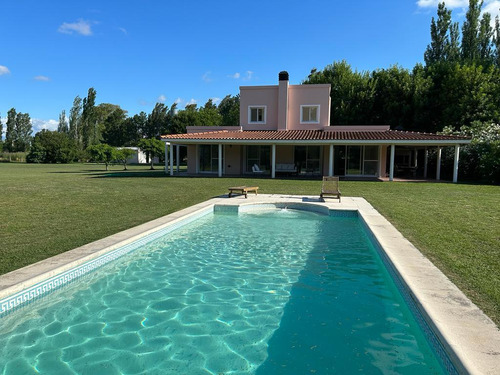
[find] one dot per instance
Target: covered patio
(350, 151)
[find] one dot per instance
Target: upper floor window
(309, 114)
(257, 114)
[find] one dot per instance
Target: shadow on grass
(129, 174)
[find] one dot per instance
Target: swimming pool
(265, 291)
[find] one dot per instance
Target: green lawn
(48, 209)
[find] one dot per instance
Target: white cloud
(216, 100)
(492, 7)
(178, 101)
(123, 30)
(235, 75)
(450, 4)
(39, 124)
(81, 27)
(161, 99)
(192, 101)
(248, 75)
(4, 70)
(206, 77)
(41, 78)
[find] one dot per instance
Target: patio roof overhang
(317, 137)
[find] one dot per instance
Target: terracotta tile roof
(315, 135)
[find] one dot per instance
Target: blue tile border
(412, 303)
(43, 288)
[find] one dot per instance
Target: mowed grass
(49, 209)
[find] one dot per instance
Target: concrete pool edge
(471, 339)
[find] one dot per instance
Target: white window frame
(250, 107)
(310, 106)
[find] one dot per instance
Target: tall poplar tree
(496, 41)
(470, 31)
(75, 120)
(485, 39)
(23, 132)
(157, 121)
(90, 130)
(10, 134)
(438, 48)
(453, 45)
(63, 124)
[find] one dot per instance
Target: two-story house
(285, 129)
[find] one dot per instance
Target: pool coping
(471, 339)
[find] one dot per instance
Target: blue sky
(135, 53)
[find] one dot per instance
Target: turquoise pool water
(269, 292)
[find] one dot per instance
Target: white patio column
(455, 163)
(416, 157)
(330, 162)
(220, 160)
(273, 161)
(166, 157)
(177, 157)
(438, 164)
(171, 160)
(391, 167)
(426, 159)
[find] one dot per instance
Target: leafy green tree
(393, 97)
(102, 153)
(157, 122)
(91, 134)
(111, 119)
(422, 113)
(187, 117)
(209, 115)
(122, 155)
(75, 120)
(63, 124)
(453, 45)
(470, 31)
(52, 147)
(229, 109)
(1, 133)
(352, 93)
(485, 37)
(22, 132)
(133, 128)
(10, 134)
(438, 49)
(153, 147)
(496, 42)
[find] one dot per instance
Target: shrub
(52, 147)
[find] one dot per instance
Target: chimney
(283, 101)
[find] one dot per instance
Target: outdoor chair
(330, 187)
(256, 169)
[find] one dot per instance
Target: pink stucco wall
(308, 95)
(232, 159)
(259, 96)
(276, 98)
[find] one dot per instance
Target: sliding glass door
(356, 160)
(208, 158)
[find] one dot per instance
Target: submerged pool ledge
(470, 338)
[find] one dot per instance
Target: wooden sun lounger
(244, 190)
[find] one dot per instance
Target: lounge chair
(256, 169)
(330, 187)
